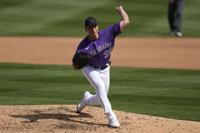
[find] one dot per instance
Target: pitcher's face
(92, 31)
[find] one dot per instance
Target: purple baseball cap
(90, 22)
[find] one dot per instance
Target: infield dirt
(182, 53)
(63, 119)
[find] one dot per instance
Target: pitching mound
(64, 119)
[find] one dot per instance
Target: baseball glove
(80, 60)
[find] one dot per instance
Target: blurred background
(65, 17)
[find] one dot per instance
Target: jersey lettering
(103, 47)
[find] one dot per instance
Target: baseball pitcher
(92, 57)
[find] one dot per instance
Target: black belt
(101, 68)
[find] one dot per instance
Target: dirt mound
(64, 119)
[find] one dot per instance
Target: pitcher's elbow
(127, 22)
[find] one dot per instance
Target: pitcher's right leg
(94, 78)
(100, 81)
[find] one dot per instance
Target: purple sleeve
(91, 50)
(84, 50)
(115, 29)
(82, 47)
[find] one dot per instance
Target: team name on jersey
(101, 48)
(104, 46)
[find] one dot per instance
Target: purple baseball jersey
(101, 48)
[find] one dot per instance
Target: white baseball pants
(100, 80)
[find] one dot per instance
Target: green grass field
(65, 17)
(161, 92)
